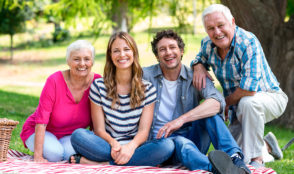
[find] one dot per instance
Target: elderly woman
(64, 106)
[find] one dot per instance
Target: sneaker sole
(223, 163)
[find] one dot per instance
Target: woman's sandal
(77, 158)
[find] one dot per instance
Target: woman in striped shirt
(122, 105)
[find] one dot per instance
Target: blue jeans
(94, 148)
(53, 149)
(191, 148)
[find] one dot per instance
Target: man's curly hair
(166, 34)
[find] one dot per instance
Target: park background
(34, 35)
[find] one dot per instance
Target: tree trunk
(119, 17)
(11, 47)
(265, 18)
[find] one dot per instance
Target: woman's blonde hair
(137, 86)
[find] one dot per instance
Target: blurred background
(34, 35)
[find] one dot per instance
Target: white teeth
(123, 61)
(220, 37)
(81, 69)
(169, 59)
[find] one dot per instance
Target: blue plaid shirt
(244, 66)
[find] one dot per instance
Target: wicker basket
(6, 127)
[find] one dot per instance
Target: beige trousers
(252, 114)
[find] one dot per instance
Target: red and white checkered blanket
(22, 163)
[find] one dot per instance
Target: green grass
(23, 78)
(18, 107)
(286, 165)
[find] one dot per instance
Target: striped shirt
(244, 66)
(121, 122)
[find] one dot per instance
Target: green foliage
(13, 15)
(290, 7)
(69, 10)
(181, 10)
(60, 34)
(139, 10)
(99, 13)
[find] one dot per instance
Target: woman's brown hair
(137, 86)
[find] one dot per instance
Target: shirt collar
(157, 71)
(183, 73)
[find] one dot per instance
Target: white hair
(218, 8)
(80, 44)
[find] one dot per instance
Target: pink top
(58, 109)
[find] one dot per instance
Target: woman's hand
(125, 154)
(39, 159)
(115, 149)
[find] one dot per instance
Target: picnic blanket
(18, 162)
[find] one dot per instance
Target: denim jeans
(94, 148)
(53, 149)
(191, 148)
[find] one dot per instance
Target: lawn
(23, 78)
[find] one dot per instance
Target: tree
(266, 19)
(68, 11)
(115, 14)
(12, 18)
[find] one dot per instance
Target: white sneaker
(272, 141)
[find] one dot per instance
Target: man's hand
(169, 128)
(199, 76)
(125, 154)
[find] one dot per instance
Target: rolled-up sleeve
(211, 92)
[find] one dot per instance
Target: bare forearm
(144, 126)
(104, 135)
(206, 109)
(39, 139)
(235, 97)
(139, 139)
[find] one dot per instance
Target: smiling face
(122, 55)
(80, 62)
(219, 29)
(169, 54)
